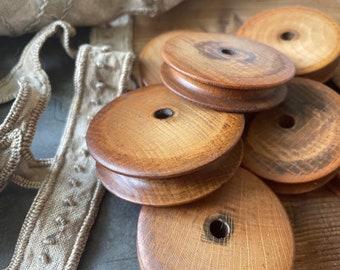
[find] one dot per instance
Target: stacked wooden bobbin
(230, 74)
(154, 148)
(296, 145)
(168, 148)
(225, 72)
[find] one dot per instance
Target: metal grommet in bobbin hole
(225, 72)
(310, 38)
(295, 146)
(153, 147)
(233, 228)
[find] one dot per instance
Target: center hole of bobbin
(219, 228)
(286, 121)
(289, 35)
(227, 51)
(163, 113)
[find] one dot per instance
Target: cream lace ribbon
(57, 225)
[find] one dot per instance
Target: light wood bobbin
(296, 145)
(150, 58)
(226, 72)
(310, 38)
(242, 225)
(153, 147)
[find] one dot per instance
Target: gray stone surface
(112, 242)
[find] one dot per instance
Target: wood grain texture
(151, 132)
(315, 218)
(251, 229)
(227, 61)
(222, 99)
(299, 140)
(307, 36)
(150, 58)
(177, 190)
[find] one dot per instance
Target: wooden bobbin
(297, 143)
(242, 225)
(150, 139)
(226, 72)
(150, 58)
(310, 38)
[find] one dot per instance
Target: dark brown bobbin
(242, 225)
(297, 142)
(310, 38)
(226, 72)
(150, 59)
(176, 190)
(151, 133)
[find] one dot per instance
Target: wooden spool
(150, 58)
(310, 38)
(226, 72)
(242, 225)
(150, 141)
(298, 142)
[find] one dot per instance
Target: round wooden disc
(229, 100)
(299, 140)
(176, 190)
(151, 132)
(150, 59)
(310, 38)
(228, 61)
(240, 226)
